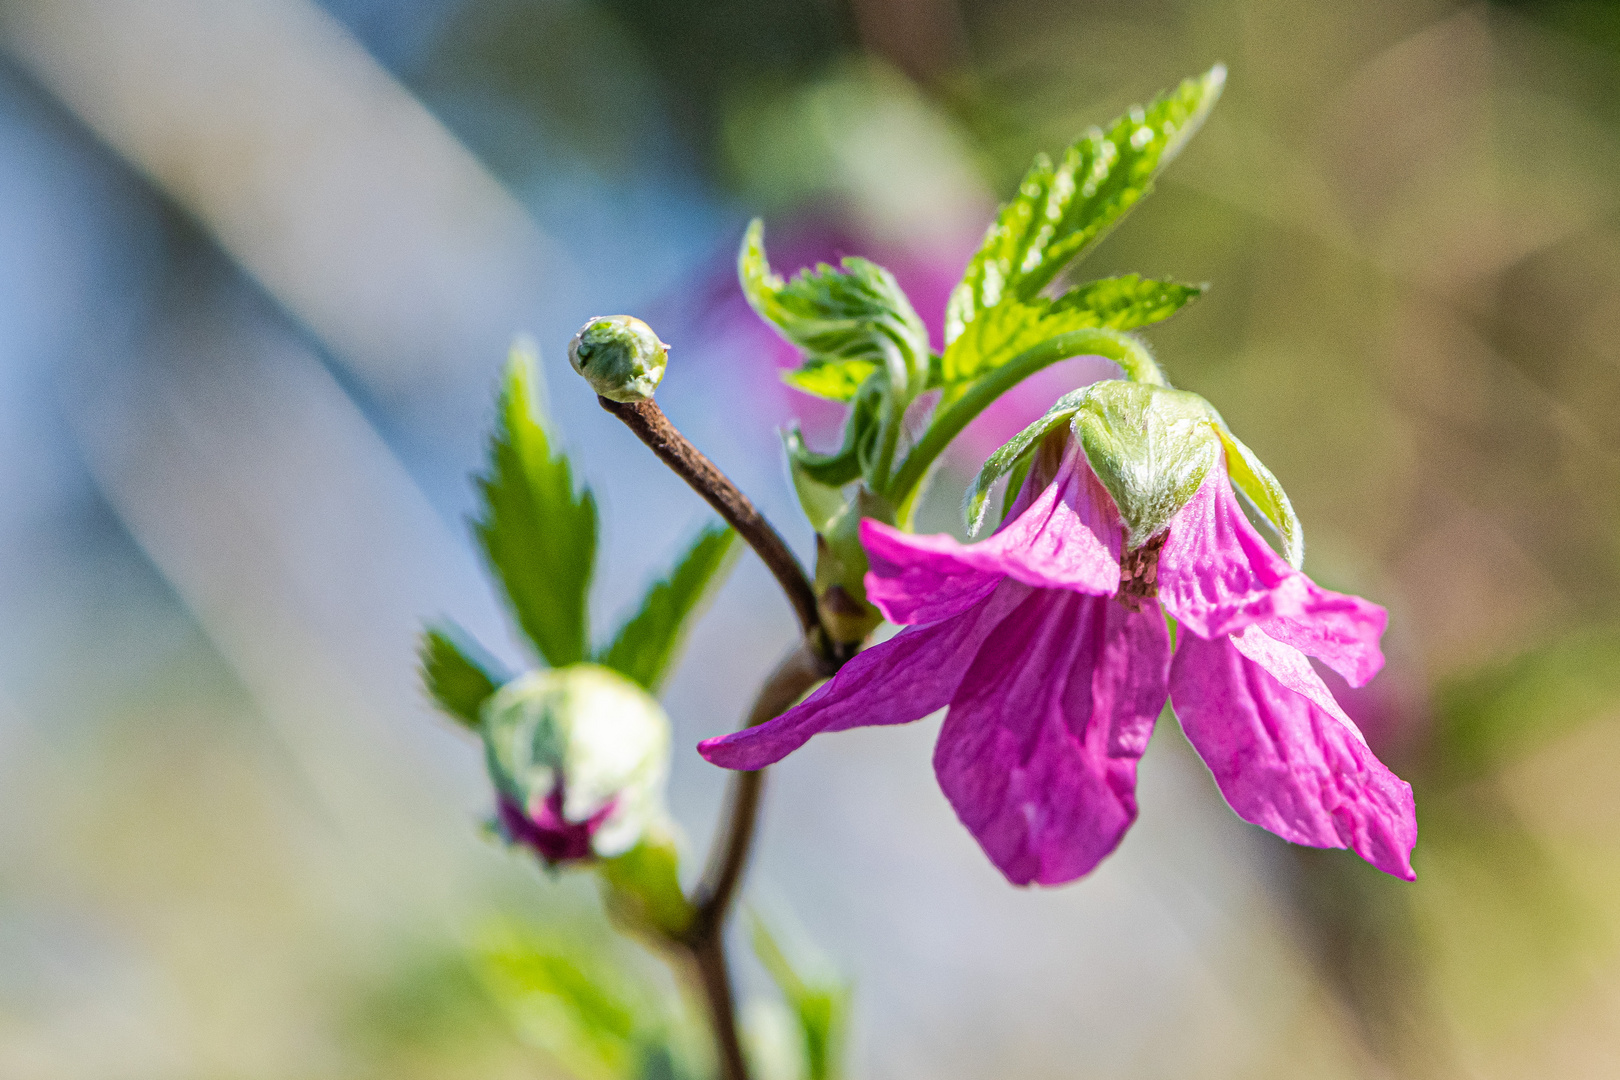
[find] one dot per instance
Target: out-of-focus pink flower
(1047, 643)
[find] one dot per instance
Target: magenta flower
(1050, 650)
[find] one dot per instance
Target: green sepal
(1007, 458)
(648, 642)
(1015, 483)
(537, 532)
(1251, 477)
(819, 1000)
(1150, 446)
(1061, 211)
(457, 674)
(1002, 332)
(642, 887)
(855, 313)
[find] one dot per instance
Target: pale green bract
(1150, 446)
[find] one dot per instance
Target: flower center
(1139, 574)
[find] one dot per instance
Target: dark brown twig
(709, 961)
(652, 427)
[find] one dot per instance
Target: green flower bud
(579, 757)
(620, 357)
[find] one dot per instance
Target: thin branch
(652, 427)
(709, 960)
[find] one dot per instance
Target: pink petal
(1038, 752)
(1283, 752)
(894, 682)
(1340, 630)
(1066, 537)
(1216, 573)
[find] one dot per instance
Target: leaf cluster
(864, 344)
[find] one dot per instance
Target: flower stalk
(652, 427)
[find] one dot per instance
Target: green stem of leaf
(1125, 350)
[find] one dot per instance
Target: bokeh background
(260, 261)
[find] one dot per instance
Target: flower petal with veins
(1038, 753)
(1284, 754)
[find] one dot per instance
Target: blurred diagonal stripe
(308, 556)
(239, 464)
(313, 168)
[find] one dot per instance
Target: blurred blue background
(260, 261)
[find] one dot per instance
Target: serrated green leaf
(1250, 476)
(537, 532)
(1061, 211)
(1129, 301)
(1000, 333)
(1010, 454)
(819, 1000)
(646, 644)
(856, 314)
(457, 674)
(1150, 446)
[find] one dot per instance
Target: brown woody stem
(652, 427)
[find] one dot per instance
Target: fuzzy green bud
(579, 757)
(620, 356)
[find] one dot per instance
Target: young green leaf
(537, 532)
(457, 674)
(820, 490)
(648, 642)
(1061, 211)
(1004, 331)
(819, 1001)
(849, 321)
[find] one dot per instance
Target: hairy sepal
(1150, 446)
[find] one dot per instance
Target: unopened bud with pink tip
(579, 757)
